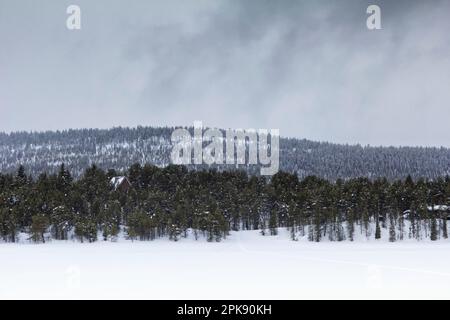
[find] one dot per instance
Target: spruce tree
(392, 236)
(273, 225)
(350, 225)
(444, 227)
(377, 230)
(39, 225)
(263, 227)
(433, 228)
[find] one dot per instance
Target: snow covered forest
(173, 201)
(119, 148)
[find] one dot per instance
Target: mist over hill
(118, 148)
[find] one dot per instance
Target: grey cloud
(309, 68)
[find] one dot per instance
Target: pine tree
(220, 226)
(86, 229)
(350, 225)
(292, 220)
(273, 225)
(433, 228)
(377, 230)
(13, 223)
(293, 234)
(21, 175)
(38, 228)
(392, 236)
(311, 230)
(8, 225)
(317, 226)
(340, 233)
(263, 227)
(444, 227)
(60, 221)
(165, 202)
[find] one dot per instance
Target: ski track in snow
(245, 266)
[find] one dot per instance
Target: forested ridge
(167, 202)
(119, 148)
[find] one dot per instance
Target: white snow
(438, 207)
(117, 181)
(245, 266)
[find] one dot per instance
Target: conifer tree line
(173, 201)
(121, 147)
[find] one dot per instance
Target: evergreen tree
(61, 222)
(350, 225)
(433, 228)
(392, 236)
(273, 224)
(377, 230)
(166, 202)
(39, 225)
(444, 228)
(263, 227)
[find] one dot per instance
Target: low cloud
(311, 69)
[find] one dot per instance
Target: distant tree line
(119, 148)
(167, 202)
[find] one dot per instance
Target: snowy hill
(118, 148)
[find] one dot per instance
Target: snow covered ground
(245, 266)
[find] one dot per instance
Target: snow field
(245, 266)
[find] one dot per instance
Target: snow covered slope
(245, 266)
(119, 148)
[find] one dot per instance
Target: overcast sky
(309, 68)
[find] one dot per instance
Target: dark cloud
(309, 68)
